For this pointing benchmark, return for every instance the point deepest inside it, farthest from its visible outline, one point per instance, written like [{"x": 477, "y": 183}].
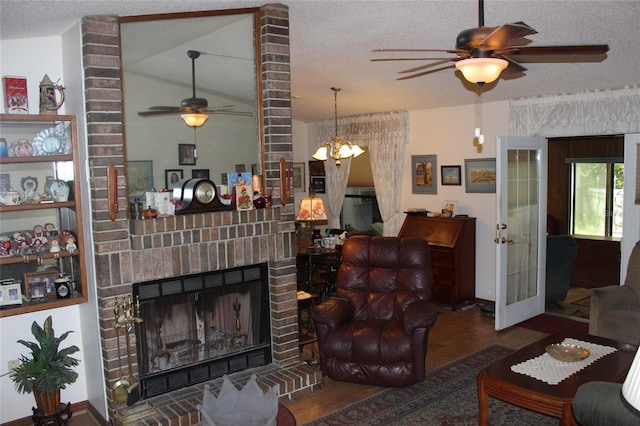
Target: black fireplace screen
[{"x": 200, "y": 327}]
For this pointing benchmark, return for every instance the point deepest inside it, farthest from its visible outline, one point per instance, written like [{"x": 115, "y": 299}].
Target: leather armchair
[
  {"x": 376, "y": 330},
  {"x": 614, "y": 311}
]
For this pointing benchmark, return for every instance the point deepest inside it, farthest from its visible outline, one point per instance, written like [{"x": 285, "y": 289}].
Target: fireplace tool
[{"x": 126, "y": 388}]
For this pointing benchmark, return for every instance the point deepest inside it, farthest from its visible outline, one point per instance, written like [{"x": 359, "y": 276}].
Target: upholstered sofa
[
  {"x": 614, "y": 311},
  {"x": 376, "y": 329}
]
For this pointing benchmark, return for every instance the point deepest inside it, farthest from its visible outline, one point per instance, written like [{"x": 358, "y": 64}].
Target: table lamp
[
  {"x": 631, "y": 385},
  {"x": 311, "y": 210}
]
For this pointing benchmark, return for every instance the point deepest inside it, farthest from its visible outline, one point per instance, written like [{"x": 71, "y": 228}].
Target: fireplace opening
[{"x": 199, "y": 327}]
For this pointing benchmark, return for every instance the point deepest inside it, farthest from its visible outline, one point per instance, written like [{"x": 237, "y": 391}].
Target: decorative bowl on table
[{"x": 567, "y": 352}]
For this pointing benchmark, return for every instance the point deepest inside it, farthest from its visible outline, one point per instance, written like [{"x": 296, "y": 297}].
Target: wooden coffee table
[{"x": 498, "y": 381}]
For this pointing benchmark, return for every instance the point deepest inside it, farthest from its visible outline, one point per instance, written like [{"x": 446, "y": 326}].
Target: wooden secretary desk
[{"x": 453, "y": 255}]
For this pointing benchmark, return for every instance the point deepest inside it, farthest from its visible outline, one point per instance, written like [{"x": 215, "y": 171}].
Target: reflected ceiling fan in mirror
[
  {"x": 482, "y": 53},
  {"x": 193, "y": 111}
]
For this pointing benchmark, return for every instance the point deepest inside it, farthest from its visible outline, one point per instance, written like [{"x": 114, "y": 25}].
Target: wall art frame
[
  {"x": 451, "y": 175},
  {"x": 186, "y": 154},
  {"x": 172, "y": 177},
  {"x": 298, "y": 178},
  {"x": 318, "y": 185},
  {"x": 140, "y": 176},
  {"x": 424, "y": 174},
  {"x": 200, "y": 173},
  {"x": 316, "y": 168},
  {"x": 480, "y": 175}
]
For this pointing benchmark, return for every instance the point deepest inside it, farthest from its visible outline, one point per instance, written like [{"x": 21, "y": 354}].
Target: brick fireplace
[{"x": 129, "y": 251}]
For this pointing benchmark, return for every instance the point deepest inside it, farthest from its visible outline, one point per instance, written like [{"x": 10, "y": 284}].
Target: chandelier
[{"x": 336, "y": 148}]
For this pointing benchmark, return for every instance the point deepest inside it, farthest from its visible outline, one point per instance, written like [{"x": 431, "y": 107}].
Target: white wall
[
  {"x": 32, "y": 58},
  {"x": 448, "y": 133}
]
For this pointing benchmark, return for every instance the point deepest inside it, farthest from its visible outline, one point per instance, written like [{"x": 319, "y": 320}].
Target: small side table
[{"x": 60, "y": 417}]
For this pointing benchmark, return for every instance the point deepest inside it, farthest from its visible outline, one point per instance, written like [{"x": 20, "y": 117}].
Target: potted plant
[{"x": 47, "y": 370}]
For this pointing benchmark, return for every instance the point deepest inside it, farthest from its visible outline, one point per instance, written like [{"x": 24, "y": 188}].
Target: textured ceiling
[{"x": 331, "y": 43}]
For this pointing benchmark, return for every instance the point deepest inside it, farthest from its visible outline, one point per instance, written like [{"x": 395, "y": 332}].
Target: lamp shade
[
  {"x": 311, "y": 209},
  {"x": 321, "y": 153},
  {"x": 481, "y": 70},
  {"x": 194, "y": 120},
  {"x": 631, "y": 385}
]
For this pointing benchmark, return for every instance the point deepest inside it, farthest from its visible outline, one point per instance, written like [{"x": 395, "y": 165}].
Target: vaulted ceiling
[{"x": 331, "y": 44}]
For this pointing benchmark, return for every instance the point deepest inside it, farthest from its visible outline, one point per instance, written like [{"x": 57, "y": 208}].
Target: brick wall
[{"x": 131, "y": 251}]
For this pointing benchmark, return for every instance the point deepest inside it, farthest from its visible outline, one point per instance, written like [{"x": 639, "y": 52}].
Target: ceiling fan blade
[
  {"x": 406, "y": 59},
  {"x": 513, "y": 67},
  {"x": 579, "y": 50},
  {"x": 164, "y": 107},
  {"x": 500, "y": 35},
  {"x": 153, "y": 113},
  {"x": 422, "y": 67},
  {"x": 424, "y": 73},
  {"x": 227, "y": 112},
  {"x": 413, "y": 50}
]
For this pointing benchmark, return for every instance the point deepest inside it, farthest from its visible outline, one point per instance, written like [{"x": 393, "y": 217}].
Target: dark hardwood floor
[{"x": 454, "y": 335}]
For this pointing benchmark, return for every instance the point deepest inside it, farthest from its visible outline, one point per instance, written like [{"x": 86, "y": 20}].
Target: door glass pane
[{"x": 522, "y": 224}]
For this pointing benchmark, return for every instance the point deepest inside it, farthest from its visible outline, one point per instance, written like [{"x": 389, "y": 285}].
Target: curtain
[
  {"x": 596, "y": 112},
  {"x": 385, "y": 135}
]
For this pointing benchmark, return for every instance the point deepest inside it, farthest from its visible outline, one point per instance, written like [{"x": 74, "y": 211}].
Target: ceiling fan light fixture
[
  {"x": 194, "y": 120},
  {"x": 481, "y": 70}
]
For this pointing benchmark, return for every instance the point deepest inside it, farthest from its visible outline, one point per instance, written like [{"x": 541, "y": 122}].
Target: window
[
  {"x": 596, "y": 196},
  {"x": 360, "y": 211}
]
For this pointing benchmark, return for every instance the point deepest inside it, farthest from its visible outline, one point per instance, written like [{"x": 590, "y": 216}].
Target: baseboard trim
[{"x": 76, "y": 408}]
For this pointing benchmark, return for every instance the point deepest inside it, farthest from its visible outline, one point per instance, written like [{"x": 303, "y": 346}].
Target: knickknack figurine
[{"x": 48, "y": 99}]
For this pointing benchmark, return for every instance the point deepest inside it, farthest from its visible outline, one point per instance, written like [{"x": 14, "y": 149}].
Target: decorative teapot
[
  {"x": 12, "y": 198},
  {"x": 48, "y": 102}
]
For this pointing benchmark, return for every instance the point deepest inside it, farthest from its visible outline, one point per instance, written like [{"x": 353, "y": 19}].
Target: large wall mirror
[{"x": 157, "y": 71}]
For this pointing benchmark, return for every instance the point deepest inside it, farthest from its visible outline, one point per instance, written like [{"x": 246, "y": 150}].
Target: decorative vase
[{"x": 48, "y": 403}]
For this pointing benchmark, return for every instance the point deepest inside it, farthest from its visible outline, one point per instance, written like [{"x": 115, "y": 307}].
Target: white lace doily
[{"x": 552, "y": 371}]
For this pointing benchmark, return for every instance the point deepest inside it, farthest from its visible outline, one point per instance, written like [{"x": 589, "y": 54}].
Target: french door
[{"x": 521, "y": 193}]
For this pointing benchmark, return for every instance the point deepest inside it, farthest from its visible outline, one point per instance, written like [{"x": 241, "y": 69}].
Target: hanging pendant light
[{"x": 337, "y": 148}]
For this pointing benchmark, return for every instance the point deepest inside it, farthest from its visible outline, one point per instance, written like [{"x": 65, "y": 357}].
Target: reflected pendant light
[{"x": 337, "y": 148}]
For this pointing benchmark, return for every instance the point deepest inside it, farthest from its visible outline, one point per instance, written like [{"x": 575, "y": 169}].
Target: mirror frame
[{"x": 255, "y": 11}]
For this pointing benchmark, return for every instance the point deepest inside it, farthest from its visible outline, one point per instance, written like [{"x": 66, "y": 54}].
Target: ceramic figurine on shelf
[
  {"x": 39, "y": 249},
  {"x": 71, "y": 244},
  {"x": 50, "y": 230},
  {"x": 39, "y": 232},
  {"x": 54, "y": 246}
]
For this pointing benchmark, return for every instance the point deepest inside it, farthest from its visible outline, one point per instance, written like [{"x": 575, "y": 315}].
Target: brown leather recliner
[{"x": 376, "y": 329}]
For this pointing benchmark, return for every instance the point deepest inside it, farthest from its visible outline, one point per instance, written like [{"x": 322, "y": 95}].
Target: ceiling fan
[
  {"x": 193, "y": 110},
  {"x": 491, "y": 47}
]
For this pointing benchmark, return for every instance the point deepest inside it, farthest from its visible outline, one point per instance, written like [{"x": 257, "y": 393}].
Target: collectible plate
[
  {"x": 52, "y": 141},
  {"x": 567, "y": 353}
]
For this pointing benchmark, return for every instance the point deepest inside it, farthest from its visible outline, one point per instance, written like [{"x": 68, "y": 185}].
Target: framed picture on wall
[
  {"x": 424, "y": 178},
  {"x": 316, "y": 168},
  {"x": 451, "y": 175},
  {"x": 140, "y": 175},
  {"x": 318, "y": 185},
  {"x": 171, "y": 178},
  {"x": 186, "y": 154},
  {"x": 298, "y": 177},
  {"x": 200, "y": 173},
  {"x": 480, "y": 175}
]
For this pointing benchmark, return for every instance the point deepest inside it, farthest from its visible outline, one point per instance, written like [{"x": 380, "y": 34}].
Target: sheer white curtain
[
  {"x": 597, "y": 112},
  {"x": 385, "y": 135}
]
